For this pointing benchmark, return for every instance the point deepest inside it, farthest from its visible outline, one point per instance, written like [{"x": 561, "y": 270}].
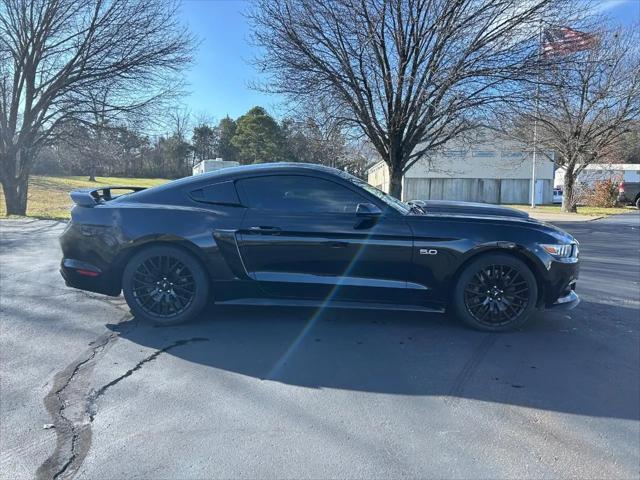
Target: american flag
[{"x": 566, "y": 40}]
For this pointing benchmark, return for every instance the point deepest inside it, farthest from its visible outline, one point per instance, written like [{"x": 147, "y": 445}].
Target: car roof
[
  {"x": 231, "y": 173},
  {"x": 258, "y": 168},
  {"x": 278, "y": 167}
]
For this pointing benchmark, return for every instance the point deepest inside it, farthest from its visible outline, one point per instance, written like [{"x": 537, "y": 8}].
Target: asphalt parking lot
[{"x": 298, "y": 393}]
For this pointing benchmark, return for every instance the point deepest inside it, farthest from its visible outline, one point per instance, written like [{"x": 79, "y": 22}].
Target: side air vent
[{"x": 223, "y": 193}]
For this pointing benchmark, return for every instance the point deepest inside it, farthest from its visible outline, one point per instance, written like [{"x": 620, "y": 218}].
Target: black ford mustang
[{"x": 295, "y": 234}]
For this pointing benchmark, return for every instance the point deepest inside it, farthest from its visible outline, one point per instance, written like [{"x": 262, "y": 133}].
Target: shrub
[{"x": 603, "y": 194}]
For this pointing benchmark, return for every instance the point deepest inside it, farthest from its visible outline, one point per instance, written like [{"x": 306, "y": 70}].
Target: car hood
[
  {"x": 442, "y": 207},
  {"x": 482, "y": 212}
]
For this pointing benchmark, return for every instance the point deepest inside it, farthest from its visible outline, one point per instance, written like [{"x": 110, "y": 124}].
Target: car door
[{"x": 301, "y": 237}]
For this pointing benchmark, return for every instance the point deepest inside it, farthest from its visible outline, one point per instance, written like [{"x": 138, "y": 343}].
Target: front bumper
[
  {"x": 560, "y": 283},
  {"x": 566, "y": 302}
]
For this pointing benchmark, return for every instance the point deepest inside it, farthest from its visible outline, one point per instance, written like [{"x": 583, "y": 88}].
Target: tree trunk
[
  {"x": 395, "y": 182},
  {"x": 395, "y": 161},
  {"x": 96, "y": 151},
  {"x": 93, "y": 166},
  {"x": 568, "y": 192},
  {"x": 15, "y": 194},
  {"x": 14, "y": 175}
]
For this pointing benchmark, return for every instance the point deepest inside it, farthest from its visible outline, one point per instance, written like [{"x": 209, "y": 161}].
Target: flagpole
[
  {"x": 535, "y": 122},
  {"x": 533, "y": 163}
]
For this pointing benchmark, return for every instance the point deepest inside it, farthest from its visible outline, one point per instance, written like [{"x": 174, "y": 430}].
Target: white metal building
[
  {"x": 628, "y": 172},
  {"x": 212, "y": 164},
  {"x": 487, "y": 167}
]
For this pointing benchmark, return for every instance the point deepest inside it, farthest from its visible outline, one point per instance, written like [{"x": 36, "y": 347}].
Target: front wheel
[
  {"x": 496, "y": 292},
  {"x": 165, "y": 285}
]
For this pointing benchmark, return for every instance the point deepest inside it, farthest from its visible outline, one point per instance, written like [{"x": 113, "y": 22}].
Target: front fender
[
  {"x": 533, "y": 261},
  {"x": 513, "y": 248}
]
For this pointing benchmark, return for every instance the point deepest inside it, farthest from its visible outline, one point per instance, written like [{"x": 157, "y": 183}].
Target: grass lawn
[
  {"x": 588, "y": 211},
  {"x": 49, "y": 196}
]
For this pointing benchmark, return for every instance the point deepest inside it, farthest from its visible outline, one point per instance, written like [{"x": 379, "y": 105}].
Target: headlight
[{"x": 561, "y": 251}]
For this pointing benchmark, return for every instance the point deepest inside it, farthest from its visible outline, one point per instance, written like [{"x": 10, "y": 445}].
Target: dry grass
[
  {"x": 49, "y": 196},
  {"x": 586, "y": 211}
]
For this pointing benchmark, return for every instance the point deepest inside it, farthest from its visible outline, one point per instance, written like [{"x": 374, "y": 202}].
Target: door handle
[{"x": 264, "y": 229}]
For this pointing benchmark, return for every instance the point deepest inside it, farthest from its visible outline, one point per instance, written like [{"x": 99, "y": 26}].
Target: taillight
[
  {"x": 621, "y": 187},
  {"x": 87, "y": 273}
]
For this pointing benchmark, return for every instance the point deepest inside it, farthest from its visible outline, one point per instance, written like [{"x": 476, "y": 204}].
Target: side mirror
[{"x": 367, "y": 210}]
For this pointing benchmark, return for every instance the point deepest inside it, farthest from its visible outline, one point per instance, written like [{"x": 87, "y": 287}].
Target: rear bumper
[
  {"x": 88, "y": 257},
  {"x": 85, "y": 276},
  {"x": 622, "y": 199}
]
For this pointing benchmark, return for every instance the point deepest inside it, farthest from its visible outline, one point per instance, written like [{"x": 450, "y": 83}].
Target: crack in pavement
[
  {"x": 73, "y": 435},
  {"x": 93, "y": 397},
  {"x": 73, "y": 409}
]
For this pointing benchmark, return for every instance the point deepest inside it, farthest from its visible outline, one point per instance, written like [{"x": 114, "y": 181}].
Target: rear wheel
[
  {"x": 496, "y": 292},
  {"x": 165, "y": 285}
]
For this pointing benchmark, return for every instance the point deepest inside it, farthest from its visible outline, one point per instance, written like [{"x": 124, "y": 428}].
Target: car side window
[{"x": 298, "y": 193}]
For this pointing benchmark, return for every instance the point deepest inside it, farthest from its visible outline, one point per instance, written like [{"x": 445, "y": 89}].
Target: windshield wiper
[{"x": 416, "y": 209}]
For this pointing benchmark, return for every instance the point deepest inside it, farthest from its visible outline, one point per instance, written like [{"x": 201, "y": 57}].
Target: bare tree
[
  {"x": 325, "y": 142},
  {"x": 587, "y": 105},
  {"x": 409, "y": 74},
  {"x": 98, "y": 124},
  {"x": 179, "y": 120},
  {"x": 55, "y": 53},
  {"x": 628, "y": 151}
]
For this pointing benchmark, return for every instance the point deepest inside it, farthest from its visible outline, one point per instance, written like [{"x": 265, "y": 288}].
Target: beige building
[{"x": 486, "y": 168}]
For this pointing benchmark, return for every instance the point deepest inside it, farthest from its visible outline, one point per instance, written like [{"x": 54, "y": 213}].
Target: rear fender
[{"x": 209, "y": 257}]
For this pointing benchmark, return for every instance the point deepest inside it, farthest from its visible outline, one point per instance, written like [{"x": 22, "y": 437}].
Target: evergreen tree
[{"x": 258, "y": 138}]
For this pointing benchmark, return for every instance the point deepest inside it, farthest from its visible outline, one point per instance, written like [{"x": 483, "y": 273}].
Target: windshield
[{"x": 393, "y": 202}]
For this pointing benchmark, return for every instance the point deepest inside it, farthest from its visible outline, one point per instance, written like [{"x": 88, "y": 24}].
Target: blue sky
[
  {"x": 623, "y": 10},
  {"x": 220, "y": 77}
]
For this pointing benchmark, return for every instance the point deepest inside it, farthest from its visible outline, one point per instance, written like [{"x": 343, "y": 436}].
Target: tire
[
  {"x": 509, "y": 299},
  {"x": 165, "y": 285},
  {"x": 638, "y": 203}
]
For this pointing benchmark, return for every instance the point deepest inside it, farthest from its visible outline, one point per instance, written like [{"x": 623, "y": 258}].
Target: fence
[{"x": 487, "y": 190}]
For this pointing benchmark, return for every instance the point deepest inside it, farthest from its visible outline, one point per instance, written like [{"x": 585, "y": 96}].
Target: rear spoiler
[{"x": 90, "y": 197}]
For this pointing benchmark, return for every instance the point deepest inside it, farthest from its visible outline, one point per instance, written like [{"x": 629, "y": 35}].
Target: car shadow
[{"x": 583, "y": 362}]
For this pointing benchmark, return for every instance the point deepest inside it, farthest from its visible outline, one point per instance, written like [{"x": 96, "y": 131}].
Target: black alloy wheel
[
  {"x": 496, "y": 292},
  {"x": 165, "y": 285}
]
